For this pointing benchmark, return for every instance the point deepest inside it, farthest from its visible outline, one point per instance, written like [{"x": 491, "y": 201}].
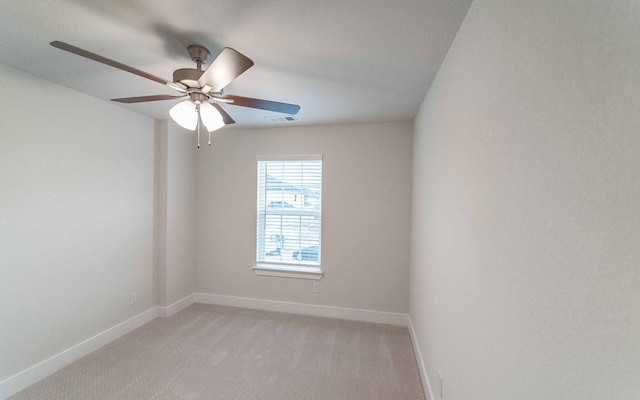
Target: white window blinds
[{"x": 289, "y": 211}]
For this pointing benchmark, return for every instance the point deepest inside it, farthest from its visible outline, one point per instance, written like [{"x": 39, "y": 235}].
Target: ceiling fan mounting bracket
[{"x": 198, "y": 54}]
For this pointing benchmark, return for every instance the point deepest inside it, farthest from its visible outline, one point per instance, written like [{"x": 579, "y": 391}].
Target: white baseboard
[
  {"x": 173, "y": 309},
  {"x": 379, "y": 317},
  {"x": 29, "y": 376},
  {"x": 426, "y": 384}
]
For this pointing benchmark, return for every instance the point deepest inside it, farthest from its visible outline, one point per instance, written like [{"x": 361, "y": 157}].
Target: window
[{"x": 289, "y": 216}]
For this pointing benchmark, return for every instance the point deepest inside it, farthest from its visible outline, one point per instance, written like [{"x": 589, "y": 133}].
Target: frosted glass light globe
[
  {"x": 185, "y": 115},
  {"x": 211, "y": 118}
]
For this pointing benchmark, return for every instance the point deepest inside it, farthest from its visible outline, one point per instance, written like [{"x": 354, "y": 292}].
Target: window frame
[{"x": 284, "y": 269}]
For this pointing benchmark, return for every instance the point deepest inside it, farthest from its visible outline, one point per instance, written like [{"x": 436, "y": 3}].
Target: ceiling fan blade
[
  {"x": 141, "y": 99},
  {"x": 225, "y": 117},
  {"x": 115, "y": 64},
  {"x": 284, "y": 108},
  {"x": 229, "y": 65}
]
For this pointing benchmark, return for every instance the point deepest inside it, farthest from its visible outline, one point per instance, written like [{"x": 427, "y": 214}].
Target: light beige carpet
[{"x": 215, "y": 352}]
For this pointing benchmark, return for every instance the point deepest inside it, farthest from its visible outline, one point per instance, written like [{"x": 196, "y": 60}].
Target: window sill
[{"x": 287, "y": 271}]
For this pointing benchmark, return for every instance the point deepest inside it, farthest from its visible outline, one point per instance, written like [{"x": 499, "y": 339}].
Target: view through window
[{"x": 289, "y": 212}]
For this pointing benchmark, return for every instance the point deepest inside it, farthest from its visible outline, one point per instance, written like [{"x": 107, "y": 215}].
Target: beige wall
[
  {"x": 76, "y": 218},
  {"x": 366, "y": 206},
  {"x": 526, "y": 226},
  {"x": 175, "y": 212}
]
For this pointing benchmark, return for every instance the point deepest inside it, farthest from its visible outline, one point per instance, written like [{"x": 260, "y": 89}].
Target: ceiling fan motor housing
[{"x": 188, "y": 76}]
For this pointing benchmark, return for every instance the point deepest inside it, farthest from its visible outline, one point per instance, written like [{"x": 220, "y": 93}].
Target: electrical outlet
[
  {"x": 133, "y": 299},
  {"x": 316, "y": 287},
  {"x": 441, "y": 384}
]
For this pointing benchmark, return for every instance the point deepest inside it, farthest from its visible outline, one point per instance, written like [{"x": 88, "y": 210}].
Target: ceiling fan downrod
[{"x": 198, "y": 54}]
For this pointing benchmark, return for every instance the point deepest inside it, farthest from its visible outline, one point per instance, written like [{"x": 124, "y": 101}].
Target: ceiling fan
[{"x": 202, "y": 89}]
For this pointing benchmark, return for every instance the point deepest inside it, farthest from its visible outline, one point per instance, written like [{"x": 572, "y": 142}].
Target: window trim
[
  {"x": 288, "y": 271},
  {"x": 284, "y": 270}
]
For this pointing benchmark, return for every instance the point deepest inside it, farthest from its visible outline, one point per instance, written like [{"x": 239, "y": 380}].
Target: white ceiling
[{"x": 342, "y": 61}]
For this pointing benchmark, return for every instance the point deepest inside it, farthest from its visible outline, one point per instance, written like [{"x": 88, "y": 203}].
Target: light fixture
[
  {"x": 211, "y": 117},
  {"x": 189, "y": 113},
  {"x": 185, "y": 114}
]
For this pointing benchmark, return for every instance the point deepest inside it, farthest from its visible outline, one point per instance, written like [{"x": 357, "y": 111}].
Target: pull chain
[
  {"x": 198, "y": 124},
  {"x": 198, "y": 134},
  {"x": 209, "y": 138}
]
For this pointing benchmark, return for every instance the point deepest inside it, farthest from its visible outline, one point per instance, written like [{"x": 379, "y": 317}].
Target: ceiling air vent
[{"x": 277, "y": 120}]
